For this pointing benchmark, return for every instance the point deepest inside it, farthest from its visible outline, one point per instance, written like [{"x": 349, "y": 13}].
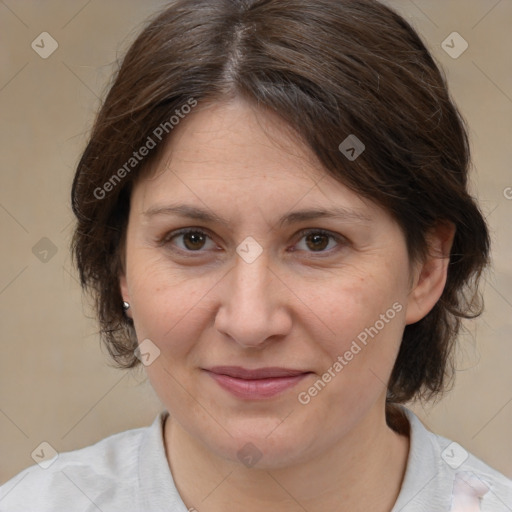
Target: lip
[{"x": 257, "y": 384}]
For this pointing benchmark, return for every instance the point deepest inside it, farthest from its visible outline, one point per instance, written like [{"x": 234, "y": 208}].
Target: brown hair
[{"x": 329, "y": 68}]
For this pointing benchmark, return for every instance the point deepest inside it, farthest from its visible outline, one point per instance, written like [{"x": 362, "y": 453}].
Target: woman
[{"x": 273, "y": 218}]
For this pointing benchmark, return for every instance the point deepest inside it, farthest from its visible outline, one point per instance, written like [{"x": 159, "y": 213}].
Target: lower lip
[{"x": 256, "y": 389}]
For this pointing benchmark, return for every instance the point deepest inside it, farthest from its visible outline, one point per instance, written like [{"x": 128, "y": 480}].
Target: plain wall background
[{"x": 55, "y": 382}]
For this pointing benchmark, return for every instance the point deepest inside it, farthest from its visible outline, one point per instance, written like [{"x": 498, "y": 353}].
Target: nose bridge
[
  {"x": 249, "y": 312},
  {"x": 250, "y": 286}
]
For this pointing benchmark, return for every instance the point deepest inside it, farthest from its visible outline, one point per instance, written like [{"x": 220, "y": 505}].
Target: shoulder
[
  {"x": 443, "y": 475},
  {"x": 90, "y": 475}
]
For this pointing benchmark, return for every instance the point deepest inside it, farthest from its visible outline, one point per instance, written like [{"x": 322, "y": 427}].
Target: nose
[{"x": 253, "y": 309}]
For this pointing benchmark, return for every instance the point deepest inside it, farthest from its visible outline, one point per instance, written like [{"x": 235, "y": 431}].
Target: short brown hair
[{"x": 330, "y": 69}]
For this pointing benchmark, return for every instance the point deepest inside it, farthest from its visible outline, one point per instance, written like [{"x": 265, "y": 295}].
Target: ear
[{"x": 430, "y": 274}]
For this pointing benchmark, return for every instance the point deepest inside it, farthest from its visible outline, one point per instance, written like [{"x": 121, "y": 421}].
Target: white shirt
[{"x": 129, "y": 472}]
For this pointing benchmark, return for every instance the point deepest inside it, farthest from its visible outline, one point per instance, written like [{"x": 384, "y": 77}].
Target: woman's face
[{"x": 317, "y": 302}]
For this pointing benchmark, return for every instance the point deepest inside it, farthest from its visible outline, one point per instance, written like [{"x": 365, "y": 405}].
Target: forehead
[
  {"x": 234, "y": 154},
  {"x": 237, "y": 136}
]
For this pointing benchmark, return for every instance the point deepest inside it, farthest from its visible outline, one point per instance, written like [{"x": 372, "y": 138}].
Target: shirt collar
[
  {"x": 157, "y": 489},
  {"x": 423, "y": 479}
]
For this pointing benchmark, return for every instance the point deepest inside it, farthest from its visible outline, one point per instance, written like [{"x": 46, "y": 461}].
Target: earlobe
[
  {"x": 431, "y": 274},
  {"x": 125, "y": 295}
]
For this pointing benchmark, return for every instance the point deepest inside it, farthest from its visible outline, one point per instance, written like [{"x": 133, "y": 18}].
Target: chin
[{"x": 261, "y": 445}]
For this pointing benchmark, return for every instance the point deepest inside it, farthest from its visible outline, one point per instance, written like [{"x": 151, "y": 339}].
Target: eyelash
[{"x": 166, "y": 241}]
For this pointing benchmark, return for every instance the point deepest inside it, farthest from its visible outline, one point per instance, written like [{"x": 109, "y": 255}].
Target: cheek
[
  {"x": 355, "y": 304},
  {"x": 366, "y": 317},
  {"x": 166, "y": 302}
]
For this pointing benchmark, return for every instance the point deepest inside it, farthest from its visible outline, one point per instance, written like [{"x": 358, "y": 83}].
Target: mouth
[{"x": 257, "y": 384}]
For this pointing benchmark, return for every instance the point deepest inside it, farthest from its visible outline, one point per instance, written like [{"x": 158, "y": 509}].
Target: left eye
[{"x": 318, "y": 240}]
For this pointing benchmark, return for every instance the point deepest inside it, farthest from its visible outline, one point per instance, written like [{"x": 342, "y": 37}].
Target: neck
[{"x": 363, "y": 471}]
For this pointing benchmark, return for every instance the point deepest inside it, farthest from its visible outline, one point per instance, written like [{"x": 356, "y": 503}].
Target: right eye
[{"x": 192, "y": 239}]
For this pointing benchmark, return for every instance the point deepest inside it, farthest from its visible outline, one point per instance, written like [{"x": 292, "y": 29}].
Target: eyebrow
[{"x": 193, "y": 212}]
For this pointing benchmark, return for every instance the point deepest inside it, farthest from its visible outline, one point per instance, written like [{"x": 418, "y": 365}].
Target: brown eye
[
  {"x": 317, "y": 241},
  {"x": 193, "y": 240},
  {"x": 188, "y": 240}
]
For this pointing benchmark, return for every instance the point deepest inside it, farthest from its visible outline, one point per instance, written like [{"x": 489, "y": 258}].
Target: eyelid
[{"x": 326, "y": 232}]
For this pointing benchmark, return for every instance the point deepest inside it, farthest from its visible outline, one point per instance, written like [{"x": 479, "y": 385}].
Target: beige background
[{"x": 55, "y": 384}]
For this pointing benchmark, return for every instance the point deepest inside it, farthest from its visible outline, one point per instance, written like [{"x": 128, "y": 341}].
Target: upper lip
[{"x": 259, "y": 373}]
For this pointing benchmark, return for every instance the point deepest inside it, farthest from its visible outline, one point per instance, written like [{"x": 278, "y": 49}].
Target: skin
[{"x": 298, "y": 305}]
